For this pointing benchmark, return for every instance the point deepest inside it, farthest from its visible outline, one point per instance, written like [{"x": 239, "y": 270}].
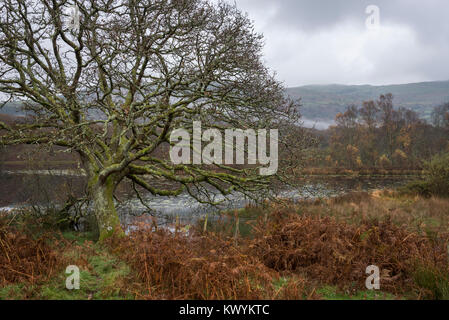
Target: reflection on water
[{"x": 187, "y": 209}]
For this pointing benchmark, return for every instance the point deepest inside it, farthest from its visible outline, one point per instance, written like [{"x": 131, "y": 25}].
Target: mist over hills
[{"x": 320, "y": 103}]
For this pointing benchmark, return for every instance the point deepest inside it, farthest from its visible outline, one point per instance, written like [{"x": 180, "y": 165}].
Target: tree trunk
[{"x": 104, "y": 208}]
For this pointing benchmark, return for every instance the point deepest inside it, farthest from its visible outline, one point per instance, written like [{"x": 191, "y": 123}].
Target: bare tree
[
  {"x": 135, "y": 70},
  {"x": 440, "y": 116}
]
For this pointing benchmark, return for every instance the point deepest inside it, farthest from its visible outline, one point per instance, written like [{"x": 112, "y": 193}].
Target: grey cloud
[
  {"x": 427, "y": 17},
  {"x": 323, "y": 41}
]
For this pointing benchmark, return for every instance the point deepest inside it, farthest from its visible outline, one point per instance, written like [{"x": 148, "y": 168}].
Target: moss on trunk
[{"x": 107, "y": 217}]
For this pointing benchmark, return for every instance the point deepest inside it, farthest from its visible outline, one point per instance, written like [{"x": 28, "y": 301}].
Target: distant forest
[{"x": 378, "y": 134}]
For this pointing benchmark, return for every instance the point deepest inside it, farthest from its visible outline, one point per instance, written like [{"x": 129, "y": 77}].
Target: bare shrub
[
  {"x": 198, "y": 267},
  {"x": 23, "y": 258},
  {"x": 333, "y": 252}
]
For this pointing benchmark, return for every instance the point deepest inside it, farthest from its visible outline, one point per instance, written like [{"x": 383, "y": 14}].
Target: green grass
[
  {"x": 103, "y": 277},
  {"x": 15, "y": 292},
  {"x": 101, "y": 283},
  {"x": 332, "y": 293},
  {"x": 79, "y": 237},
  {"x": 436, "y": 283},
  {"x": 281, "y": 282}
]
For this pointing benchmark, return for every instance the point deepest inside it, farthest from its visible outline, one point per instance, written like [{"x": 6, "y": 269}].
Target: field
[{"x": 308, "y": 250}]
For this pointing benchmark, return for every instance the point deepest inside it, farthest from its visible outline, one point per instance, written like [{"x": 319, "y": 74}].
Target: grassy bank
[
  {"x": 310, "y": 250},
  {"x": 360, "y": 172}
]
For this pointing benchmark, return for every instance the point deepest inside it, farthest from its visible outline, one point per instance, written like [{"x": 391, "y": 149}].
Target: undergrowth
[
  {"x": 24, "y": 258},
  {"x": 309, "y": 250},
  {"x": 199, "y": 267}
]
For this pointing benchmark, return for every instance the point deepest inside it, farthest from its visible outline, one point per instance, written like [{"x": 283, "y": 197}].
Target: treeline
[{"x": 377, "y": 134}]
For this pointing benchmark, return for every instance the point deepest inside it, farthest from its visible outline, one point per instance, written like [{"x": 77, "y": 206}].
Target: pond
[
  {"x": 187, "y": 210},
  {"x": 19, "y": 190}
]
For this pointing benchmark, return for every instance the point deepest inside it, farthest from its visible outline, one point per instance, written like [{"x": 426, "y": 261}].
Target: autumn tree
[
  {"x": 440, "y": 116},
  {"x": 377, "y": 133},
  {"x": 344, "y": 134},
  {"x": 387, "y": 114},
  {"x": 114, "y": 90},
  {"x": 369, "y": 114}
]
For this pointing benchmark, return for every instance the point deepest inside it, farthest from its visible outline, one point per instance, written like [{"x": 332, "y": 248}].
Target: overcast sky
[{"x": 327, "y": 41}]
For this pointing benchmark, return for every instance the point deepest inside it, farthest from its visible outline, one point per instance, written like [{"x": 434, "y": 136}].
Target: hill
[
  {"x": 11, "y": 108},
  {"x": 8, "y": 119},
  {"x": 322, "y": 102}
]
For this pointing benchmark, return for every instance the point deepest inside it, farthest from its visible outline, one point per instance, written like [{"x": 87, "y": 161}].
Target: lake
[{"x": 18, "y": 189}]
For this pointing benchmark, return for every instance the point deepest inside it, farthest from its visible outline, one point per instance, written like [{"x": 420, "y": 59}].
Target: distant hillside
[
  {"x": 322, "y": 102},
  {"x": 8, "y": 119},
  {"x": 11, "y": 108}
]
